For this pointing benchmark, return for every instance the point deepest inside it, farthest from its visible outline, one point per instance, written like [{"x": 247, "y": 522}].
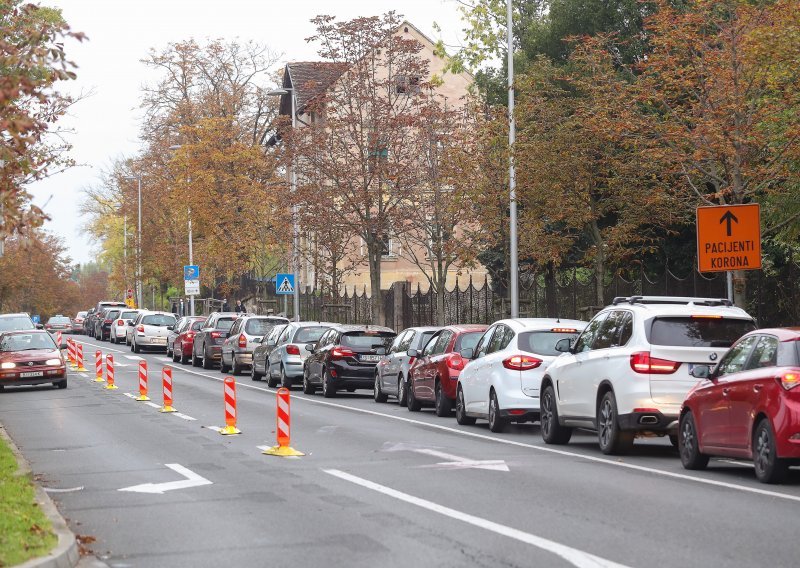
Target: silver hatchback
[
  {"x": 245, "y": 335},
  {"x": 285, "y": 362}
]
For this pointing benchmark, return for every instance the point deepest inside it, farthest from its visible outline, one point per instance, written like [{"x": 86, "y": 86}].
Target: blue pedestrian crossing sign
[
  {"x": 284, "y": 284},
  {"x": 191, "y": 272}
]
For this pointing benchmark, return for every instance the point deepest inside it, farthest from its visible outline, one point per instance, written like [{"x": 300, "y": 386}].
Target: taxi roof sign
[{"x": 729, "y": 238}]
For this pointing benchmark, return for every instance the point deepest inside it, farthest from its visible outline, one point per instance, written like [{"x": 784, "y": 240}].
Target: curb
[{"x": 65, "y": 554}]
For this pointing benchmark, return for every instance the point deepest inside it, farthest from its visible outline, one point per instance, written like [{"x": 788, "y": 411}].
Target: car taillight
[
  {"x": 242, "y": 340},
  {"x": 140, "y": 328},
  {"x": 456, "y": 362},
  {"x": 216, "y": 334},
  {"x": 521, "y": 362},
  {"x": 107, "y": 321},
  {"x": 790, "y": 379},
  {"x": 120, "y": 322},
  {"x": 642, "y": 363},
  {"x": 411, "y": 360},
  {"x": 189, "y": 334},
  {"x": 341, "y": 352},
  {"x": 292, "y": 350}
]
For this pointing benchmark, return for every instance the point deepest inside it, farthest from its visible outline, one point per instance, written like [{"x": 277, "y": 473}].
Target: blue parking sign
[{"x": 191, "y": 272}]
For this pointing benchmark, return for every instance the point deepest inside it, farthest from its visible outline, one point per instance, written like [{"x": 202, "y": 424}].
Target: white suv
[{"x": 629, "y": 371}]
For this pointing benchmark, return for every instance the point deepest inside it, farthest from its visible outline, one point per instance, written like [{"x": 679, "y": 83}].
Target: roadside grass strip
[{"x": 25, "y": 531}]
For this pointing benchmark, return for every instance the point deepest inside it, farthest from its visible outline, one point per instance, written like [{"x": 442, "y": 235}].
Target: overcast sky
[{"x": 120, "y": 34}]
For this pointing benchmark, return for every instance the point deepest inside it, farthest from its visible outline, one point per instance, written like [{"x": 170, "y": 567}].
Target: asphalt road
[{"x": 379, "y": 486}]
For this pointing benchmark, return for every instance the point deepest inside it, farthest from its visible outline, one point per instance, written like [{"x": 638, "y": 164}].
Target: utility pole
[{"x": 512, "y": 180}]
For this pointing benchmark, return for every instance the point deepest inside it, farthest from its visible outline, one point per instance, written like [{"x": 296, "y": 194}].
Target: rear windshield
[
  {"x": 112, "y": 314},
  {"x": 16, "y": 323},
  {"x": 698, "y": 332},
  {"x": 308, "y": 334},
  {"x": 81, "y": 315},
  {"x": 225, "y": 323},
  {"x": 543, "y": 342},
  {"x": 58, "y": 320},
  {"x": 27, "y": 342},
  {"x": 468, "y": 340},
  {"x": 128, "y": 315},
  {"x": 367, "y": 339},
  {"x": 258, "y": 326},
  {"x": 160, "y": 320}
]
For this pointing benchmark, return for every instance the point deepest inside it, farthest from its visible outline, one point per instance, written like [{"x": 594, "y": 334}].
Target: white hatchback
[
  {"x": 630, "y": 370},
  {"x": 150, "y": 330},
  {"x": 119, "y": 327},
  {"x": 501, "y": 382}
]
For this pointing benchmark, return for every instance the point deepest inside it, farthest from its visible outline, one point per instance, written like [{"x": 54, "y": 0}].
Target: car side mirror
[
  {"x": 468, "y": 353},
  {"x": 412, "y": 353},
  {"x": 39, "y": 326},
  {"x": 310, "y": 347},
  {"x": 130, "y": 322},
  {"x": 170, "y": 327},
  {"x": 381, "y": 351},
  {"x": 701, "y": 372},
  {"x": 564, "y": 345}
]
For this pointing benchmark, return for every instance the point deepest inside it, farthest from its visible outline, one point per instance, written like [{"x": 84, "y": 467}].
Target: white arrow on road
[
  {"x": 192, "y": 480},
  {"x": 455, "y": 462}
]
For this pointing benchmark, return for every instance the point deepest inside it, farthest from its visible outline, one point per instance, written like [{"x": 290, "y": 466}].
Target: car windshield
[
  {"x": 198, "y": 325},
  {"x": 225, "y": 323},
  {"x": 308, "y": 334},
  {"x": 128, "y": 315},
  {"x": 367, "y": 339},
  {"x": 27, "y": 342},
  {"x": 112, "y": 314},
  {"x": 15, "y": 323},
  {"x": 698, "y": 331},
  {"x": 81, "y": 315},
  {"x": 468, "y": 340},
  {"x": 543, "y": 342},
  {"x": 160, "y": 320},
  {"x": 259, "y": 326},
  {"x": 58, "y": 320}
]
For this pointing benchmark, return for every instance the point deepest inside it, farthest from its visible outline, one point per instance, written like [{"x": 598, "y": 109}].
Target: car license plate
[
  {"x": 370, "y": 358},
  {"x": 31, "y": 374},
  {"x": 160, "y": 340}
]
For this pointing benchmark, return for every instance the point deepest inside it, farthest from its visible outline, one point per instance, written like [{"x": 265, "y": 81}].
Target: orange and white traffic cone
[
  {"x": 283, "y": 449},
  {"x": 73, "y": 363},
  {"x": 80, "y": 358},
  {"x": 166, "y": 379},
  {"x": 110, "y": 373},
  {"x": 59, "y": 339},
  {"x": 98, "y": 367},
  {"x": 230, "y": 408},
  {"x": 142, "y": 382}
]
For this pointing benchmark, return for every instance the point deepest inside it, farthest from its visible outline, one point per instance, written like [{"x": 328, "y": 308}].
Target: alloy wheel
[
  {"x": 606, "y": 422},
  {"x": 546, "y": 414},
  {"x": 763, "y": 450}
]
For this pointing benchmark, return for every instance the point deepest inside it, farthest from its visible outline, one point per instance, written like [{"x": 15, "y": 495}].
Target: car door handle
[
  {"x": 725, "y": 392},
  {"x": 757, "y": 388}
]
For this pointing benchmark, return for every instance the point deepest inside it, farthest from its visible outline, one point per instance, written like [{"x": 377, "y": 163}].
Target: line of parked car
[{"x": 697, "y": 370}]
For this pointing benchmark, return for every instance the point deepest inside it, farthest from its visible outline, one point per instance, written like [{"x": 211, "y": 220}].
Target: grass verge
[{"x": 25, "y": 531}]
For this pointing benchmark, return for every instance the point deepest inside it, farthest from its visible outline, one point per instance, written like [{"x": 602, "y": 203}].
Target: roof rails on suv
[{"x": 674, "y": 300}]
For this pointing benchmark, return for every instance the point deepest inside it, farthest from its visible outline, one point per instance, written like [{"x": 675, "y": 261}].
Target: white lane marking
[
  {"x": 134, "y": 357},
  {"x": 167, "y": 359},
  {"x": 104, "y": 347},
  {"x": 152, "y": 405},
  {"x": 84, "y": 375},
  {"x": 182, "y": 415},
  {"x": 69, "y": 490},
  {"x": 735, "y": 462},
  {"x": 214, "y": 428},
  {"x": 574, "y": 556},
  {"x": 457, "y": 462},
  {"x": 192, "y": 480},
  {"x": 681, "y": 476}
]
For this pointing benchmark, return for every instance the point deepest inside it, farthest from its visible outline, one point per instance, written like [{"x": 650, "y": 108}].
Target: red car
[
  {"x": 30, "y": 358},
  {"x": 434, "y": 376},
  {"x": 748, "y": 407},
  {"x": 184, "y": 343}
]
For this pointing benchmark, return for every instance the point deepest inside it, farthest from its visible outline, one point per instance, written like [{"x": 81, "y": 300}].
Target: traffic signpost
[
  {"x": 191, "y": 279},
  {"x": 284, "y": 284},
  {"x": 728, "y": 239}
]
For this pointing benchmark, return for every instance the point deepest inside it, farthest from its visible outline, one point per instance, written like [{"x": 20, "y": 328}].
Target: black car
[
  {"x": 105, "y": 321},
  {"x": 207, "y": 348},
  {"x": 344, "y": 358}
]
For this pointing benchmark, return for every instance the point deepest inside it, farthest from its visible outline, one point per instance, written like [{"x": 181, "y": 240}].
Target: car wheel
[
  {"x": 688, "y": 444},
  {"x": 195, "y": 359},
  {"x": 135, "y": 347},
  {"x": 496, "y": 422},
  {"x": 327, "y": 388},
  {"x": 285, "y": 381},
  {"x": 112, "y": 339},
  {"x": 169, "y": 351},
  {"x": 308, "y": 388},
  {"x": 223, "y": 368},
  {"x": 552, "y": 431},
  {"x": 412, "y": 403},
  {"x": 377, "y": 394},
  {"x": 769, "y": 467},
  {"x": 443, "y": 404},
  {"x": 612, "y": 440},
  {"x": 208, "y": 362},
  {"x": 236, "y": 368},
  {"x": 461, "y": 410},
  {"x": 271, "y": 381},
  {"x": 61, "y": 384},
  {"x": 402, "y": 392},
  {"x": 255, "y": 375}
]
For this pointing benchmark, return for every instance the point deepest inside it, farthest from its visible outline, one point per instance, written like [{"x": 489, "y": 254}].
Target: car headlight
[
  {"x": 8, "y": 365},
  {"x": 53, "y": 362}
]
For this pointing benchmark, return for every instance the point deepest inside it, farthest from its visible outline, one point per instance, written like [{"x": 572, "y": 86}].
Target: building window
[
  {"x": 407, "y": 85},
  {"x": 390, "y": 248}
]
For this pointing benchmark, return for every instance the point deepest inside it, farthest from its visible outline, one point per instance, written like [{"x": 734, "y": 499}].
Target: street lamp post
[
  {"x": 138, "y": 178},
  {"x": 512, "y": 180},
  {"x": 293, "y": 188},
  {"x": 191, "y": 257}
]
